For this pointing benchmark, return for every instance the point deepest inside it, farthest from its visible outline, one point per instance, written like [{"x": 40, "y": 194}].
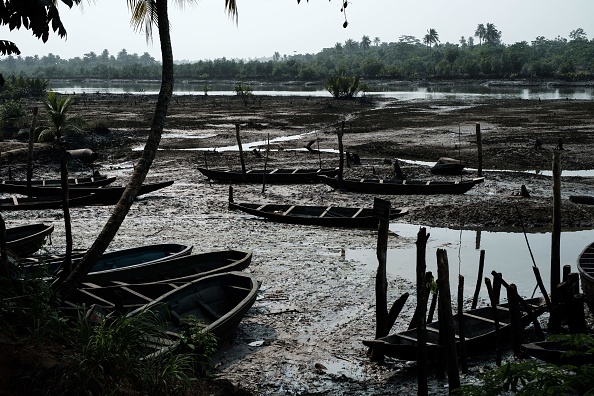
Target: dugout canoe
[
  {"x": 26, "y": 240},
  {"x": 402, "y": 187},
  {"x": 270, "y": 176},
  {"x": 479, "y": 333},
  {"x": 585, "y": 266},
  {"x": 326, "y": 216},
  {"x": 44, "y": 203},
  {"x": 558, "y": 352},
  {"x": 7, "y": 185}
]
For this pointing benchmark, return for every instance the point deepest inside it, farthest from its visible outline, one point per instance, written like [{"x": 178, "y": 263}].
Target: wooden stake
[
  {"x": 265, "y": 164},
  {"x": 554, "y": 320},
  {"x": 30, "y": 150},
  {"x": 515, "y": 318},
  {"x": 422, "y": 296},
  {"x": 340, "y": 134},
  {"x": 477, "y": 289},
  {"x": 461, "y": 332},
  {"x": 496, "y": 320},
  {"x": 238, "y": 137},
  {"x": 479, "y": 146},
  {"x": 447, "y": 335}
]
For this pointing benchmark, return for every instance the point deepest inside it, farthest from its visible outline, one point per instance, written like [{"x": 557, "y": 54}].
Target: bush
[
  {"x": 245, "y": 92},
  {"x": 342, "y": 87},
  {"x": 11, "y": 115}
]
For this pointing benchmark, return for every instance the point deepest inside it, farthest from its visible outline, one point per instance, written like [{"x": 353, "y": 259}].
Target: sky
[{"x": 204, "y": 31}]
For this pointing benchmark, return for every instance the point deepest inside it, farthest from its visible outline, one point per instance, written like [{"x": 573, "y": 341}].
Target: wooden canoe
[
  {"x": 557, "y": 352},
  {"x": 105, "y": 195},
  {"x": 44, "y": 203},
  {"x": 448, "y": 166},
  {"x": 585, "y": 266},
  {"x": 582, "y": 199},
  {"x": 479, "y": 333},
  {"x": 401, "y": 187},
  {"x": 26, "y": 240},
  {"x": 327, "y": 216},
  {"x": 80, "y": 181},
  {"x": 218, "y": 301},
  {"x": 270, "y": 176},
  {"x": 123, "y": 294},
  {"x": 137, "y": 258}
]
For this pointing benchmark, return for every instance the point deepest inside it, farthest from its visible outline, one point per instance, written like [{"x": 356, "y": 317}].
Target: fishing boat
[
  {"x": 269, "y": 176},
  {"x": 585, "y": 266},
  {"x": 125, "y": 293},
  {"x": 105, "y": 195},
  {"x": 219, "y": 302},
  {"x": 582, "y": 199},
  {"x": 479, "y": 333},
  {"x": 138, "y": 258},
  {"x": 26, "y": 240},
  {"x": 401, "y": 187},
  {"x": 98, "y": 180},
  {"x": 328, "y": 216},
  {"x": 448, "y": 166},
  {"x": 44, "y": 203},
  {"x": 558, "y": 352}
]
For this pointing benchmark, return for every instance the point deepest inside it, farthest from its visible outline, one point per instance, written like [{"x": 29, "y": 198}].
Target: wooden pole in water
[
  {"x": 479, "y": 279},
  {"x": 447, "y": 335},
  {"x": 422, "y": 375},
  {"x": 340, "y": 134},
  {"x": 240, "y": 150},
  {"x": 479, "y": 146},
  {"x": 381, "y": 210},
  {"x": 496, "y": 320},
  {"x": 265, "y": 164},
  {"x": 515, "y": 318},
  {"x": 461, "y": 332},
  {"x": 556, "y": 237}
]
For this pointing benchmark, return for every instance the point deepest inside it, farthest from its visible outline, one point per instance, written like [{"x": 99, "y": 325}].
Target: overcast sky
[{"x": 204, "y": 31}]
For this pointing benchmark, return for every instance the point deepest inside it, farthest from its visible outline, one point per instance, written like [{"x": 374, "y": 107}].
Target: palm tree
[
  {"x": 365, "y": 43},
  {"x": 145, "y": 13},
  {"x": 480, "y": 32},
  {"x": 377, "y": 41},
  {"x": 432, "y": 37},
  {"x": 492, "y": 35}
]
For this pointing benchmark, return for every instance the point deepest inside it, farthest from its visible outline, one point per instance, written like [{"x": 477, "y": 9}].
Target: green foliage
[
  {"x": 61, "y": 122},
  {"x": 197, "y": 342},
  {"x": 244, "y": 92},
  {"x": 11, "y": 114},
  {"x": 343, "y": 87},
  {"x": 23, "y": 87}
]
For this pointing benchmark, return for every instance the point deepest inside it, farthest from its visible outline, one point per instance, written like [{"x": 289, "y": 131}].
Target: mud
[{"x": 303, "y": 334}]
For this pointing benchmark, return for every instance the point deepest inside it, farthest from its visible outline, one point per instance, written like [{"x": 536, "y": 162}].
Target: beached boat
[
  {"x": 401, "y": 187},
  {"x": 582, "y": 199},
  {"x": 26, "y": 240},
  {"x": 448, "y": 166},
  {"x": 270, "y": 176},
  {"x": 585, "y": 266},
  {"x": 44, "y": 203},
  {"x": 328, "y": 216},
  {"x": 479, "y": 333},
  {"x": 558, "y": 352},
  {"x": 137, "y": 258},
  {"x": 218, "y": 302},
  {"x": 98, "y": 180},
  {"x": 124, "y": 293},
  {"x": 105, "y": 195}
]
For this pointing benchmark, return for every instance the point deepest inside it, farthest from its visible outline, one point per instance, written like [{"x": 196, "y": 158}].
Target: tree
[
  {"x": 432, "y": 37},
  {"x": 365, "y": 43},
  {"x": 578, "y": 35},
  {"x": 377, "y": 41},
  {"x": 33, "y": 15},
  {"x": 480, "y": 32},
  {"x": 492, "y": 35},
  {"x": 144, "y": 13}
]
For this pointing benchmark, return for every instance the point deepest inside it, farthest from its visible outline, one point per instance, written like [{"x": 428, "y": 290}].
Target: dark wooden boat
[
  {"x": 585, "y": 266},
  {"x": 26, "y": 240},
  {"x": 328, "y": 216},
  {"x": 105, "y": 195},
  {"x": 44, "y": 203},
  {"x": 582, "y": 199},
  {"x": 113, "y": 294},
  {"x": 479, "y": 333},
  {"x": 138, "y": 258},
  {"x": 557, "y": 352},
  {"x": 81, "y": 181},
  {"x": 218, "y": 301},
  {"x": 401, "y": 187},
  {"x": 448, "y": 166},
  {"x": 270, "y": 176}
]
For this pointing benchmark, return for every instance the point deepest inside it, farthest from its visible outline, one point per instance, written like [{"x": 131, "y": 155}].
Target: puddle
[{"x": 505, "y": 252}]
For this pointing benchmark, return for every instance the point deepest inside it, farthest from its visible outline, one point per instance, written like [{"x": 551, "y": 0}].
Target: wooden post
[
  {"x": 395, "y": 310},
  {"x": 497, "y": 286},
  {"x": 566, "y": 272},
  {"x": 432, "y": 306},
  {"x": 496, "y": 320},
  {"x": 30, "y": 150},
  {"x": 447, "y": 335},
  {"x": 461, "y": 332},
  {"x": 427, "y": 290},
  {"x": 576, "y": 321},
  {"x": 477, "y": 240},
  {"x": 422, "y": 289},
  {"x": 515, "y": 319},
  {"x": 381, "y": 210},
  {"x": 3, "y": 255},
  {"x": 479, "y": 146},
  {"x": 397, "y": 171},
  {"x": 340, "y": 134},
  {"x": 265, "y": 164},
  {"x": 556, "y": 237},
  {"x": 479, "y": 279},
  {"x": 240, "y": 150}
]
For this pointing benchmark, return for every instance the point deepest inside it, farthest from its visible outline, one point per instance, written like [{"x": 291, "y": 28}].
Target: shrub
[
  {"x": 245, "y": 92},
  {"x": 343, "y": 87}
]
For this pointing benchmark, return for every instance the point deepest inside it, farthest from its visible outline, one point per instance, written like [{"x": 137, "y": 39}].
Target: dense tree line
[{"x": 409, "y": 58}]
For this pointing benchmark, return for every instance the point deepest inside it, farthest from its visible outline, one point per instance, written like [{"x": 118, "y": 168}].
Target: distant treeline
[{"x": 407, "y": 59}]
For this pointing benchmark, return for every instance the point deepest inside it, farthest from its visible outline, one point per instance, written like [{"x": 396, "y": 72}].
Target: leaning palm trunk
[{"x": 66, "y": 287}]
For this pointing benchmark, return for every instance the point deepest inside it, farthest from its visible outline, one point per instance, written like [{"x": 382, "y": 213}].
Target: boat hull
[
  {"x": 272, "y": 176},
  {"x": 26, "y": 240}
]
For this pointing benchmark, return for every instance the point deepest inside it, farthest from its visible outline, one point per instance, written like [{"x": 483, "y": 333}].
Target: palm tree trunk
[
  {"x": 142, "y": 167},
  {"x": 67, "y": 264}
]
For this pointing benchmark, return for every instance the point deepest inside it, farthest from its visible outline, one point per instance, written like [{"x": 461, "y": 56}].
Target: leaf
[{"x": 345, "y": 24}]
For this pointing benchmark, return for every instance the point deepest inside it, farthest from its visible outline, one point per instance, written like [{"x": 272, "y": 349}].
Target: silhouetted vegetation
[{"x": 407, "y": 59}]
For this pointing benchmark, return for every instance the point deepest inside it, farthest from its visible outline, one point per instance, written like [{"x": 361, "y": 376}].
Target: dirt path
[{"x": 303, "y": 335}]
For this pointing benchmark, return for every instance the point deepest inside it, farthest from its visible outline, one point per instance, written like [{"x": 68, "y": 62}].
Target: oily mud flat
[{"x": 303, "y": 334}]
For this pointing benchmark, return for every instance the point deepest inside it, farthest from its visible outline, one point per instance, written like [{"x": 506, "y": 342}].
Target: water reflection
[{"x": 505, "y": 252}]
